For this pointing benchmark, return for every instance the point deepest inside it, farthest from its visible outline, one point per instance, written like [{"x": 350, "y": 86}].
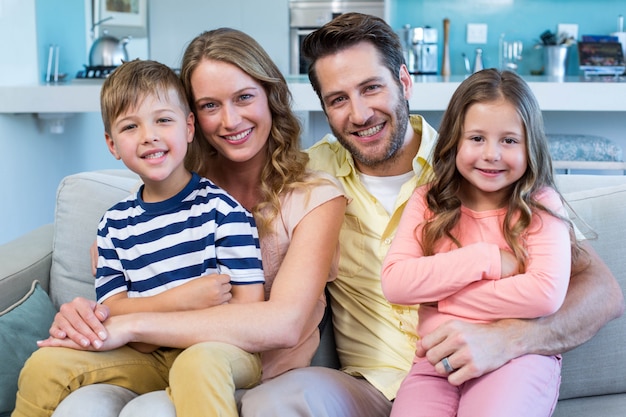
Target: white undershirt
[{"x": 385, "y": 189}]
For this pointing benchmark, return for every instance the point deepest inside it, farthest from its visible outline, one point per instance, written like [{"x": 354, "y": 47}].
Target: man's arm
[{"x": 593, "y": 299}]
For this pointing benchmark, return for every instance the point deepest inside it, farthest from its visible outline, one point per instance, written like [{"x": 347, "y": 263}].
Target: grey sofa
[{"x": 593, "y": 377}]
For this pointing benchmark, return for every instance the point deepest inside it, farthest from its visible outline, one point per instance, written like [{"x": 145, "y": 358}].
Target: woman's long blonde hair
[
  {"x": 442, "y": 198},
  {"x": 285, "y": 166}
]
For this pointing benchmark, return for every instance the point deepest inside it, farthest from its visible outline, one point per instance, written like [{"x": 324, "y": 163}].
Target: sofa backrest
[
  {"x": 82, "y": 199},
  {"x": 598, "y": 366}
]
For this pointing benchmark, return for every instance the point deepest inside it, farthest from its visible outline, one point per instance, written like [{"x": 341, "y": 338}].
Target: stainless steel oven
[{"x": 307, "y": 15}]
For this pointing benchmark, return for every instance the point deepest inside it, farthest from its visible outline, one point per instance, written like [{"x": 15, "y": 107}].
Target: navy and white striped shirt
[{"x": 147, "y": 248}]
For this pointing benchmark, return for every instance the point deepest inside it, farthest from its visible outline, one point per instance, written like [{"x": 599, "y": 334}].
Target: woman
[{"x": 247, "y": 143}]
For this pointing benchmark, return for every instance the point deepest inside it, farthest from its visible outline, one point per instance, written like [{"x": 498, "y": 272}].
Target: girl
[{"x": 487, "y": 239}]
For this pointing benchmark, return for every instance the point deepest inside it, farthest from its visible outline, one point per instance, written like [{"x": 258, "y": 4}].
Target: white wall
[
  {"x": 18, "y": 42},
  {"x": 34, "y": 160}
]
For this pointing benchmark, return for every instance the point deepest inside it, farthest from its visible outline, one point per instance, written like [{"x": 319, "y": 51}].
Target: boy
[
  {"x": 157, "y": 248},
  {"x": 178, "y": 226}
]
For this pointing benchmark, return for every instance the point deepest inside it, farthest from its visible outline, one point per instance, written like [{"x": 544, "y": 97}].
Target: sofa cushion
[
  {"x": 82, "y": 199},
  {"x": 602, "y": 405},
  {"x": 24, "y": 260},
  {"x": 598, "y": 366},
  {"x": 579, "y": 182},
  {"x": 21, "y": 325}
]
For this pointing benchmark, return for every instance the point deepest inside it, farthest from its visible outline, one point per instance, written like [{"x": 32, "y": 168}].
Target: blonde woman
[{"x": 247, "y": 142}]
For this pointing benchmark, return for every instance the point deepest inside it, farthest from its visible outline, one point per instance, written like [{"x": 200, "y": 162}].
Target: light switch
[
  {"x": 567, "y": 30},
  {"x": 477, "y": 33}
]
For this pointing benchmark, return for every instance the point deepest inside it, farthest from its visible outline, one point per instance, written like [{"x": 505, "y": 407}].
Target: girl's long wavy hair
[
  {"x": 285, "y": 166},
  {"x": 442, "y": 198}
]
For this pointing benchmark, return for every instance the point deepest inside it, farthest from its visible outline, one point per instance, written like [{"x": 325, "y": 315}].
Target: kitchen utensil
[
  {"x": 478, "y": 60},
  {"x": 467, "y": 64},
  {"x": 548, "y": 38},
  {"x": 422, "y": 54},
  {"x": 445, "y": 64},
  {"x": 108, "y": 51},
  {"x": 510, "y": 53},
  {"x": 555, "y": 60},
  {"x": 53, "y": 76}
]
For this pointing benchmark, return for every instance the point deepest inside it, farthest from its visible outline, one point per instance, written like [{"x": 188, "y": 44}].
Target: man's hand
[
  {"x": 80, "y": 321},
  {"x": 472, "y": 349}
]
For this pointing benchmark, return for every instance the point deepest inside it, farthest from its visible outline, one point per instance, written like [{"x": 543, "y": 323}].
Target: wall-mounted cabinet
[{"x": 173, "y": 25}]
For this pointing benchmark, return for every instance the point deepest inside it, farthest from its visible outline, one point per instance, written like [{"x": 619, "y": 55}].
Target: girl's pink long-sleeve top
[{"x": 466, "y": 281}]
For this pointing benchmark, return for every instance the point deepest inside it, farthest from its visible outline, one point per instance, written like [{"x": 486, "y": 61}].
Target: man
[{"x": 380, "y": 155}]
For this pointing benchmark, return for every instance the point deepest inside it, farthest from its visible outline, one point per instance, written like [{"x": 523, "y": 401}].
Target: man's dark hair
[{"x": 347, "y": 30}]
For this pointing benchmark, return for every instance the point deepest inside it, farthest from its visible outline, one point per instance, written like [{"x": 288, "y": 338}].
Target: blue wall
[
  {"x": 36, "y": 159},
  {"x": 519, "y": 19},
  {"x": 522, "y": 20},
  {"x": 62, "y": 23}
]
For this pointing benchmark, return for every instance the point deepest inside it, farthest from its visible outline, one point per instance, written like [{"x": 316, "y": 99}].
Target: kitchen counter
[{"x": 431, "y": 93}]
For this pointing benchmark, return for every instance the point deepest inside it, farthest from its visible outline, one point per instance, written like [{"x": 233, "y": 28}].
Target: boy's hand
[
  {"x": 93, "y": 254},
  {"x": 206, "y": 291}
]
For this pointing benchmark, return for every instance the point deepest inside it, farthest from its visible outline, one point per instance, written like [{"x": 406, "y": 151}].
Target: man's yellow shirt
[{"x": 375, "y": 339}]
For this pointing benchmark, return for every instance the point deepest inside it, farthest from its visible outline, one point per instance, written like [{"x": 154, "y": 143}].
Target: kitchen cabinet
[
  {"x": 173, "y": 25},
  {"x": 430, "y": 93},
  {"x": 570, "y": 106}
]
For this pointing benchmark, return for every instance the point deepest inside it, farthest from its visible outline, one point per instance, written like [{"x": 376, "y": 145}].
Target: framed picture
[{"x": 129, "y": 13}]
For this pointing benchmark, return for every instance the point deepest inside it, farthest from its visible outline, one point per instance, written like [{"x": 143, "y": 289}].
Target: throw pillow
[{"x": 21, "y": 325}]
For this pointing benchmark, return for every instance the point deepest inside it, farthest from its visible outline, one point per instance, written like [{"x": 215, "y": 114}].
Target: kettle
[{"x": 108, "y": 51}]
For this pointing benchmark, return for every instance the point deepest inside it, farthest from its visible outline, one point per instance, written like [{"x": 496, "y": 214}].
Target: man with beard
[{"x": 380, "y": 153}]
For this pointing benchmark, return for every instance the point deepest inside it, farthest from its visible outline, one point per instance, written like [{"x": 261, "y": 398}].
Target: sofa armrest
[{"x": 24, "y": 260}]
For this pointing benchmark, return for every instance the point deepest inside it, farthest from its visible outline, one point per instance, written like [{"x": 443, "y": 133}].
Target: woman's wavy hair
[
  {"x": 442, "y": 198},
  {"x": 286, "y": 162}
]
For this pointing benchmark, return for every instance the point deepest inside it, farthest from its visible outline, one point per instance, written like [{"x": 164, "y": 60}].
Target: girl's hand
[{"x": 509, "y": 264}]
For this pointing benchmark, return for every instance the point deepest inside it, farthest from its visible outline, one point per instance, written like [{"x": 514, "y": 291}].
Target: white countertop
[{"x": 431, "y": 93}]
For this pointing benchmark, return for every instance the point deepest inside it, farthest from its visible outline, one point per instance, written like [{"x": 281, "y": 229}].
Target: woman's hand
[
  {"x": 80, "y": 321},
  {"x": 118, "y": 331}
]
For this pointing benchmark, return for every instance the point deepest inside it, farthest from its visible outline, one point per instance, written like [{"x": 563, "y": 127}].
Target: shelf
[{"x": 430, "y": 93}]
